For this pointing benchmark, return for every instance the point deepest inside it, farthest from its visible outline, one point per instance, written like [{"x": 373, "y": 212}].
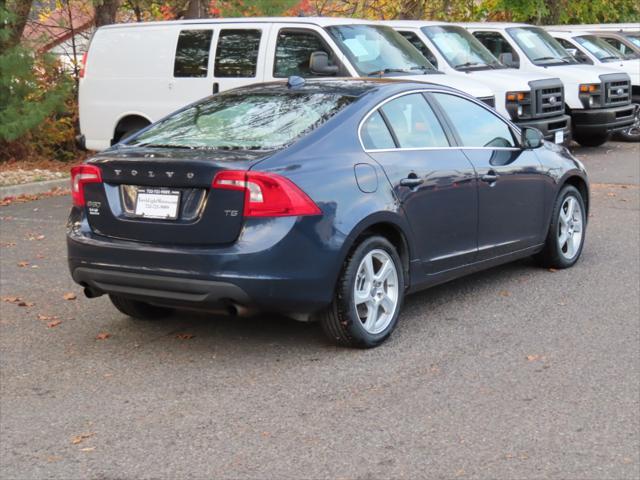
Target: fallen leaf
[
  {"x": 505, "y": 293},
  {"x": 553, "y": 270},
  {"x": 23, "y": 264},
  {"x": 184, "y": 336},
  {"x": 25, "y": 304},
  {"x": 11, "y": 299},
  {"x": 533, "y": 358},
  {"x": 611, "y": 194},
  {"x": 40, "y": 237},
  {"x": 627, "y": 460},
  {"x": 35, "y": 266},
  {"x": 88, "y": 449},
  {"x": 69, "y": 296},
  {"x": 54, "y": 323},
  {"x": 80, "y": 438},
  {"x": 103, "y": 336}
]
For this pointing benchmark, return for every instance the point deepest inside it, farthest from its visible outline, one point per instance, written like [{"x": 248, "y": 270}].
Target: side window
[
  {"x": 293, "y": 50},
  {"x": 419, "y": 44},
  {"x": 476, "y": 126},
  {"x": 496, "y": 44},
  {"x": 414, "y": 123},
  {"x": 578, "y": 54},
  {"x": 617, "y": 44},
  {"x": 192, "y": 53},
  {"x": 237, "y": 53},
  {"x": 375, "y": 133}
]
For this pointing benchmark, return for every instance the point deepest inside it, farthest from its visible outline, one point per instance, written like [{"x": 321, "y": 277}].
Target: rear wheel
[
  {"x": 138, "y": 309},
  {"x": 565, "y": 239},
  {"x": 591, "y": 139},
  {"x": 368, "y": 297}
]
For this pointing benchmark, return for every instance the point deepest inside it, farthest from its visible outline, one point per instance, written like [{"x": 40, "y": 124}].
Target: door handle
[
  {"x": 215, "y": 88},
  {"x": 490, "y": 177},
  {"x": 411, "y": 182}
]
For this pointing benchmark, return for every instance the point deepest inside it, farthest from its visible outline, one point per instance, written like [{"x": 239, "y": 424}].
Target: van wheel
[
  {"x": 138, "y": 309},
  {"x": 368, "y": 297},
  {"x": 591, "y": 140},
  {"x": 565, "y": 239}
]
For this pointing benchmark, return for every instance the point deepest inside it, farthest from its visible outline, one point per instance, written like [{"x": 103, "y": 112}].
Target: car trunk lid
[{"x": 165, "y": 195}]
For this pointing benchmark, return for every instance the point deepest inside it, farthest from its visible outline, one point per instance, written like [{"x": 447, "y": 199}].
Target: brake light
[
  {"x": 267, "y": 194},
  {"x": 83, "y": 65},
  {"x": 80, "y": 176}
]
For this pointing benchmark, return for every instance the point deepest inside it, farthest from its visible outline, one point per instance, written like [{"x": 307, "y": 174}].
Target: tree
[
  {"x": 106, "y": 11},
  {"x": 12, "y": 31},
  {"x": 31, "y": 88}
]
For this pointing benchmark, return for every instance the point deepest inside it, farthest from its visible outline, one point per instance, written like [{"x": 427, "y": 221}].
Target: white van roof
[
  {"x": 412, "y": 23},
  {"x": 492, "y": 25},
  {"x": 604, "y": 27},
  {"x": 318, "y": 21}
]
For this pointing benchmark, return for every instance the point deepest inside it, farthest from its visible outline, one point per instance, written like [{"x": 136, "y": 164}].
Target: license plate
[
  {"x": 157, "y": 203},
  {"x": 559, "y": 137}
]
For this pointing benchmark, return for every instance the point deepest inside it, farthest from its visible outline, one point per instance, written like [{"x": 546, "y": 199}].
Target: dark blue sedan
[{"x": 322, "y": 200}]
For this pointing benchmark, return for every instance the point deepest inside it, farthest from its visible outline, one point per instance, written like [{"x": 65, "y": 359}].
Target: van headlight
[
  {"x": 590, "y": 94},
  {"x": 518, "y": 104}
]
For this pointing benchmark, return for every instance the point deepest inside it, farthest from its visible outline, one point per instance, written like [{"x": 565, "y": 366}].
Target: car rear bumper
[
  {"x": 603, "y": 120},
  {"x": 280, "y": 268},
  {"x": 550, "y": 126}
]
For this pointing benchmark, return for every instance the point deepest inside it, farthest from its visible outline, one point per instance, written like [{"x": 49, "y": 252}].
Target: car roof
[
  {"x": 572, "y": 32},
  {"x": 318, "y": 21},
  {"x": 347, "y": 86}
]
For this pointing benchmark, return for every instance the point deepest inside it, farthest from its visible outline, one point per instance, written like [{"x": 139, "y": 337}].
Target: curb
[{"x": 33, "y": 188}]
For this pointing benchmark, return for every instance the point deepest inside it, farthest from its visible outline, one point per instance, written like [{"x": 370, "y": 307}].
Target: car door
[
  {"x": 434, "y": 183},
  {"x": 240, "y": 55},
  {"x": 511, "y": 179},
  {"x": 290, "y": 50}
]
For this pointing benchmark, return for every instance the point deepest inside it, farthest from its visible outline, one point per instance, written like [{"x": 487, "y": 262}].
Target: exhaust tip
[{"x": 91, "y": 293}]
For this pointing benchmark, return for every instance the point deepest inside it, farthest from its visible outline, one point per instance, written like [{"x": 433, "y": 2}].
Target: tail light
[
  {"x": 267, "y": 194},
  {"x": 80, "y": 176},
  {"x": 83, "y": 65}
]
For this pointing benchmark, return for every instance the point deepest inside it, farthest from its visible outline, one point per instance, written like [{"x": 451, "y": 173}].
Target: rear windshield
[{"x": 244, "y": 121}]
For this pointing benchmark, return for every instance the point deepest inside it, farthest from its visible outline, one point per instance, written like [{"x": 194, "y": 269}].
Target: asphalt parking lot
[{"x": 517, "y": 372}]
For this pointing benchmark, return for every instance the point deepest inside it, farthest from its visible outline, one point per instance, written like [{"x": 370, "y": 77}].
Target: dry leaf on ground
[
  {"x": 23, "y": 264},
  {"x": 103, "y": 336},
  {"x": 184, "y": 336},
  {"x": 54, "y": 323},
  {"x": 80, "y": 438},
  {"x": 69, "y": 296}
]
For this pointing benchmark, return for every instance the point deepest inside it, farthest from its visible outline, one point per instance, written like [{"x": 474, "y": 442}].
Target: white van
[
  {"x": 597, "y": 98},
  {"x": 591, "y": 49},
  {"x": 530, "y": 99},
  {"x": 135, "y": 74}
]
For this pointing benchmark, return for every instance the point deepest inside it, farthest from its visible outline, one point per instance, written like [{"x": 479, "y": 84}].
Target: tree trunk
[
  {"x": 196, "y": 9},
  {"x": 411, "y": 10},
  {"x": 106, "y": 12},
  {"x": 20, "y": 10}
]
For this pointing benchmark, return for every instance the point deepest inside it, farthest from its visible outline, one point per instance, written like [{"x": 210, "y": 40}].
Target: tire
[
  {"x": 344, "y": 322},
  {"x": 138, "y": 309},
  {"x": 591, "y": 140},
  {"x": 632, "y": 134},
  {"x": 565, "y": 239}
]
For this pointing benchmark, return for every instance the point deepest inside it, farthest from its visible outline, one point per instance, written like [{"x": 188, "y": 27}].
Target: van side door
[
  {"x": 240, "y": 55},
  {"x": 290, "y": 49}
]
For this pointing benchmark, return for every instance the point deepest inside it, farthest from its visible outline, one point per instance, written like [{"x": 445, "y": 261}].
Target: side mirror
[
  {"x": 319, "y": 64},
  {"x": 531, "y": 138},
  {"x": 507, "y": 59}
]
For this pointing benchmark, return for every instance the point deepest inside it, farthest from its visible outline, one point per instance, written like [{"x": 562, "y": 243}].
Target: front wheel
[
  {"x": 368, "y": 297},
  {"x": 565, "y": 239},
  {"x": 591, "y": 139}
]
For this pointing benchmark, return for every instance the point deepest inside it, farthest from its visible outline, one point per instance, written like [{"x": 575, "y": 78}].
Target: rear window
[
  {"x": 192, "y": 53},
  {"x": 244, "y": 121}
]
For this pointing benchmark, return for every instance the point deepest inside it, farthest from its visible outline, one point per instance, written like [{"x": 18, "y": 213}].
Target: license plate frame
[{"x": 157, "y": 203}]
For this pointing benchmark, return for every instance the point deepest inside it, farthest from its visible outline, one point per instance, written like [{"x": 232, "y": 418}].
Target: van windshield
[
  {"x": 377, "y": 50},
  {"x": 460, "y": 49},
  {"x": 540, "y": 47},
  {"x": 243, "y": 121},
  {"x": 599, "y": 48}
]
